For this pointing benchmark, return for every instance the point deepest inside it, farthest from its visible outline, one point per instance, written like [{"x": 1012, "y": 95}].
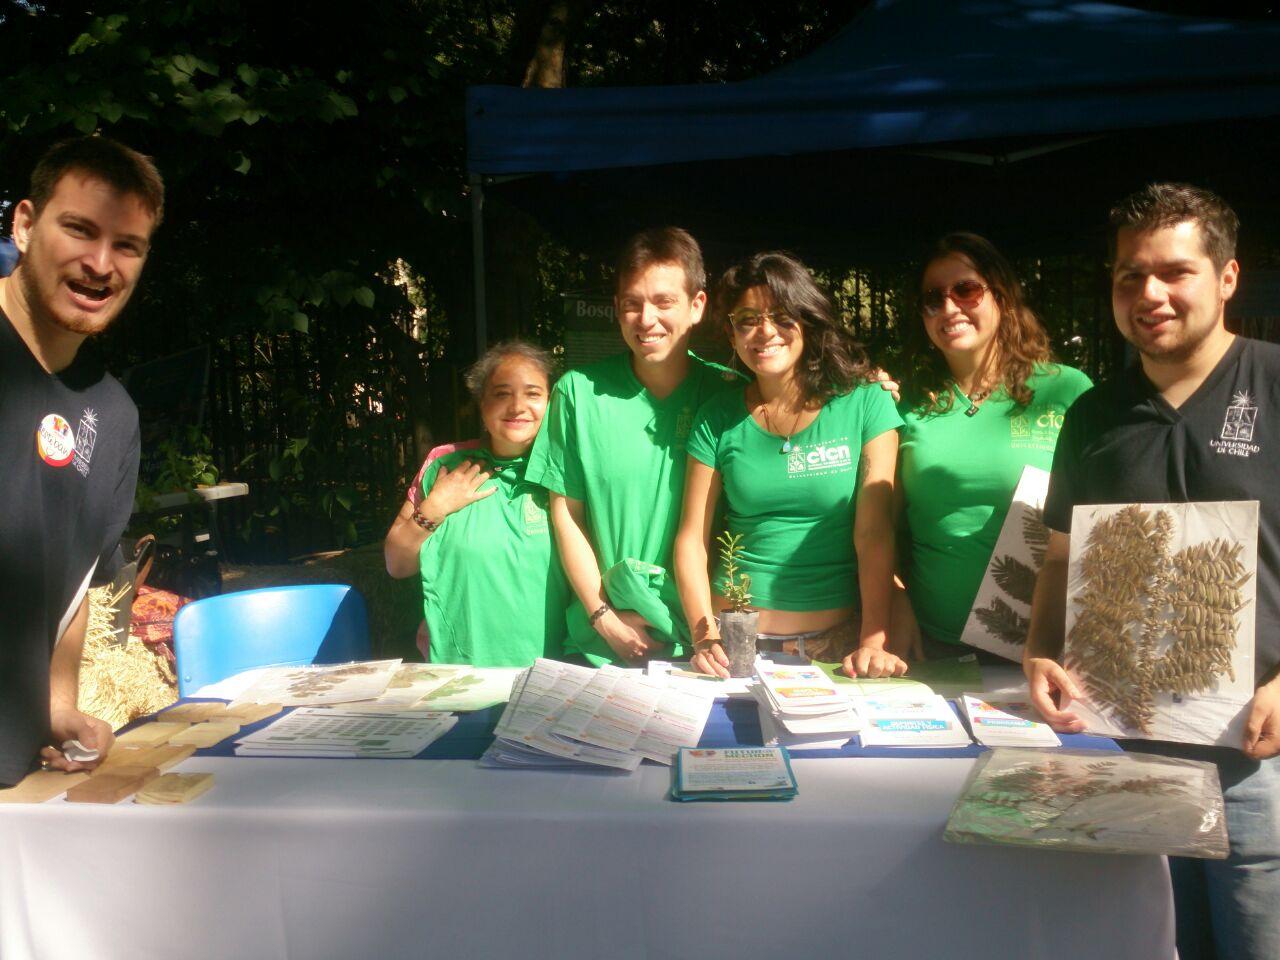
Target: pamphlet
[
  {"x": 910, "y": 722},
  {"x": 477, "y": 689},
  {"x": 333, "y": 732},
  {"x": 737, "y": 773},
  {"x": 1007, "y": 721},
  {"x": 316, "y": 684}
]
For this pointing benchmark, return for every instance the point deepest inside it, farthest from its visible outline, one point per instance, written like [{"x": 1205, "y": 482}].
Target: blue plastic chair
[{"x": 220, "y": 636}]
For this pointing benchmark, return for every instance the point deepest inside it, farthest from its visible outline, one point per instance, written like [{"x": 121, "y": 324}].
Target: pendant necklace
[
  {"x": 974, "y": 399},
  {"x": 786, "y": 439}
]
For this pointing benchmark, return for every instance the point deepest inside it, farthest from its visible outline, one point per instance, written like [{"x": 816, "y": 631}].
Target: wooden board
[
  {"x": 162, "y": 757},
  {"x": 175, "y": 788},
  {"x": 247, "y": 713},
  {"x": 112, "y": 784},
  {"x": 195, "y": 712},
  {"x": 206, "y": 734},
  {"x": 150, "y": 734},
  {"x": 41, "y": 786}
]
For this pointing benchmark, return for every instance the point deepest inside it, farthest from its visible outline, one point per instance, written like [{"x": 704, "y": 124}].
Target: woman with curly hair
[
  {"x": 804, "y": 457},
  {"x": 984, "y": 401}
]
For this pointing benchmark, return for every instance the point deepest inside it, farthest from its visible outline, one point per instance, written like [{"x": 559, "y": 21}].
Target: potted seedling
[{"x": 738, "y": 624}]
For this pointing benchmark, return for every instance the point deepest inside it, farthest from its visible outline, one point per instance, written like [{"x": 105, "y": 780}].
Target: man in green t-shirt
[{"x": 612, "y": 454}]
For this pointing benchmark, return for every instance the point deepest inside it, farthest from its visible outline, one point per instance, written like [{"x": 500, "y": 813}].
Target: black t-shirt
[
  {"x": 68, "y": 466},
  {"x": 1123, "y": 443}
]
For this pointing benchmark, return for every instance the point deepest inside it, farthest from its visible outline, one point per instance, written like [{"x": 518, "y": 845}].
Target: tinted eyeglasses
[
  {"x": 745, "y": 320},
  {"x": 965, "y": 294}
]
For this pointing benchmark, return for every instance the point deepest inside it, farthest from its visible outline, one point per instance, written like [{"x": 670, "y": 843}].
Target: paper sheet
[
  {"x": 915, "y": 722},
  {"x": 333, "y": 732},
  {"x": 320, "y": 683}
]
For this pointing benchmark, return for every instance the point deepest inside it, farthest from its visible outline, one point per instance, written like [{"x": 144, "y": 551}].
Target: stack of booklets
[
  {"x": 1007, "y": 721},
  {"x": 734, "y": 773},
  {"x": 334, "y": 732},
  {"x": 801, "y": 708},
  {"x": 561, "y": 715},
  {"x": 926, "y": 721}
]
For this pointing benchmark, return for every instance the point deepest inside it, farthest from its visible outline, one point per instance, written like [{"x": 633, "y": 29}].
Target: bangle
[
  {"x": 423, "y": 522},
  {"x": 599, "y": 612}
]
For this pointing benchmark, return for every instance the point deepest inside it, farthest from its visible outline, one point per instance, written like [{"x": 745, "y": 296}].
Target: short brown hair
[
  {"x": 1159, "y": 205},
  {"x": 663, "y": 245},
  {"x": 1021, "y": 340},
  {"x": 124, "y": 169},
  {"x": 478, "y": 374}
]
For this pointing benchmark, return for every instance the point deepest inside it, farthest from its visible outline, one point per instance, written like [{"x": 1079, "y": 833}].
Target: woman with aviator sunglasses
[
  {"x": 804, "y": 457},
  {"x": 984, "y": 401}
]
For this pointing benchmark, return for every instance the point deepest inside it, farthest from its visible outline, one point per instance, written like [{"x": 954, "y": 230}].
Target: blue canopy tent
[{"x": 870, "y": 126}]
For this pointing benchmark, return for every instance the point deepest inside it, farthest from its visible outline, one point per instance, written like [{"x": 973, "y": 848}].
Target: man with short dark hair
[
  {"x": 68, "y": 435},
  {"x": 612, "y": 453},
  {"x": 1198, "y": 419}
]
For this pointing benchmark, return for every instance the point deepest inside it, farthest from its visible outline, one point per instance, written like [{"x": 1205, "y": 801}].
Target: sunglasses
[
  {"x": 745, "y": 321},
  {"x": 965, "y": 294}
]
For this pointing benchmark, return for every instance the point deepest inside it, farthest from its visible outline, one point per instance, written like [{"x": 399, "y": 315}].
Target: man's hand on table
[
  {"x": 1051, "y": 691},
  {"x": 68, "y": 724}
]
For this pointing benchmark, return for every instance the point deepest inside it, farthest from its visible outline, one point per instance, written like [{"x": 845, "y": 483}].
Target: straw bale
[{"x": 119, "y": 683}]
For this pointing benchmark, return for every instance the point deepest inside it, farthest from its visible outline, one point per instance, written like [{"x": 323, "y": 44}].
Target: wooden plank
[
  {"x": 206, "y": 734},
  {"x": 150, "y": 734},
  {"x": 174, "y": 788},
  {"x": 41, "y": 786},
  {"x": 195, "y": 712},
  {"x": 247, "y": 713},
  {"x": 162, "y": 757},
  {"x": 112, "y": 784}
]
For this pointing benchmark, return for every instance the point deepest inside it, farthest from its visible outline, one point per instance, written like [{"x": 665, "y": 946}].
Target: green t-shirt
[
  {"x": 493, "y": 589},
  {"x": 794, "y": 510},
  {"x": 610, "y": 443},
  {"x": 958, "y": 474}
]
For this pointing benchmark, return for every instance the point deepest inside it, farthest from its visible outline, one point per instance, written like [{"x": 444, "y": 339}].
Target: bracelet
[
  {"x": 423, "y": 522},
  {"x": 600, "y": 612}
]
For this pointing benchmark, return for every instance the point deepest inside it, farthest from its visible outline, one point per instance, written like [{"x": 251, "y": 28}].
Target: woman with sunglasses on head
[
  {"x": 804, "y": 457},
  {"x": 983, "y": 402}
]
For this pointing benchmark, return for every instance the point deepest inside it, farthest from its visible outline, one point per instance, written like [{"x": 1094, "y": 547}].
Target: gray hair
[{"x": 478, "y": 374}]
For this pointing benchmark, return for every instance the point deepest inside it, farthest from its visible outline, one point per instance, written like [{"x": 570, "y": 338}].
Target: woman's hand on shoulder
[
  {"x": 455, "y": 489},
  {"x": 887, "y": 383},
  {"x": 873, "y": 662}
]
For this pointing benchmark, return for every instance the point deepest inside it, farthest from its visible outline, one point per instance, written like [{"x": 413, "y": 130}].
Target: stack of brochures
[
  {"x": 1007, "y": 720},
  {"x": 801, "y": 708},
  {"x": 561, "y": 715},
  {"x": 334, "y": 732},
  {"x": 926, "y": 721},
  {"x": 734, "y": 773}
]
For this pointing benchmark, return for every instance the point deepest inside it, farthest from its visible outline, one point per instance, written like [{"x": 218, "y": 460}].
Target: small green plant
[{"x": 737, "y": 587}]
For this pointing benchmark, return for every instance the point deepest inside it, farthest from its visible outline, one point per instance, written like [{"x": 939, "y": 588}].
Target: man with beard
[
  {"x": 68, "y": 435},
  {"x": 1198, "y": 419}
]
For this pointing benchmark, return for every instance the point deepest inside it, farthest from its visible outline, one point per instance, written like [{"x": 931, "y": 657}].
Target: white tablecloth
[{"x": 374, "y": 859}]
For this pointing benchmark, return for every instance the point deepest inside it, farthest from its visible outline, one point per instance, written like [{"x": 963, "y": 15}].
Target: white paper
[
  {"x": 482, "y": 687},
  {"x": 1213, "y": 715},
  {"x": 800, "y": 691},
  {"x": 320, "y": 683},
  {"x": 902, "y": 722},
  {"x": 333, "y": 732},
  {"x": 1007, "y": 722},
  {"x": 1001, "y": 611},
  {"x": 413, "y": 681}
]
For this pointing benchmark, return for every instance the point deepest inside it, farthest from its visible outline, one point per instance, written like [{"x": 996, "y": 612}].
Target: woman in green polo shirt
[
  {"x": 983, "y": 401},
  {"x": 493, "y": 589},
  {"x": 804, "y": 457}
]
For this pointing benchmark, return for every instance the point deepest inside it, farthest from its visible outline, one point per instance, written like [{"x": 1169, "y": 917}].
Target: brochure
[
  {"x": 333, "y": 732},
  {"x": 320, "y": 683},
  {"x": 910, "y": 722},
  {"x": 738, "y": 773},
  {"x": 1007, "y": 721}
]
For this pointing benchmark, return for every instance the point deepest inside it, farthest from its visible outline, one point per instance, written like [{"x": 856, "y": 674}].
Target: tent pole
[{"x": 477, "y": 261}]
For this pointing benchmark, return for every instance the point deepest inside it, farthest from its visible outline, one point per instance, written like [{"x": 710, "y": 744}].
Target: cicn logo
[
  {"x": 55, "y": 443},
  {"x": 825, "y": 457}
]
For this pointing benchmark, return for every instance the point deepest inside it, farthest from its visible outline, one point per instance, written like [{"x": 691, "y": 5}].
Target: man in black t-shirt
[
  {"x": 1198, "y": 419},
  {"x": 68, "y": 436}
]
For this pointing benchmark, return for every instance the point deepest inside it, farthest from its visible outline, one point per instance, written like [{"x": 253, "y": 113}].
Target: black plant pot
[{"x": 738, "y": 637}]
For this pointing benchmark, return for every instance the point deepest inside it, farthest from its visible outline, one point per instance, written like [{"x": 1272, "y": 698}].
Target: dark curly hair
[
  {"x": 832, "y": 362},
  {"x": 1021, "y": 340}
]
